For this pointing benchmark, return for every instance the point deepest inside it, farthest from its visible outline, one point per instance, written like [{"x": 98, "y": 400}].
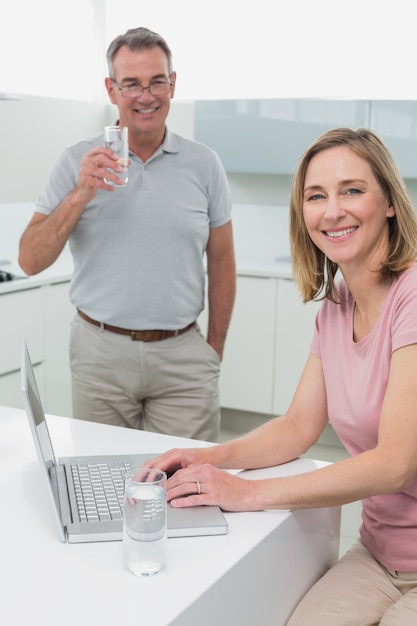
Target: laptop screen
[
  {"x": 34, "y": 407},
  {"x": 37, "y": 422}
]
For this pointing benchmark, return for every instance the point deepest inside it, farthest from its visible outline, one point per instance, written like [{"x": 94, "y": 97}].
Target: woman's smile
[{"x": 339, "y": 233}]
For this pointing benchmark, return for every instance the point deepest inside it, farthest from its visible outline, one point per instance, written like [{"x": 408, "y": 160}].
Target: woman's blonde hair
[{"x": 313, "y": 272}]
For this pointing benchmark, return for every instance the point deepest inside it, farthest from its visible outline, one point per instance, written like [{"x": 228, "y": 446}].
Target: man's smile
[{"x": 145, "y": 111}]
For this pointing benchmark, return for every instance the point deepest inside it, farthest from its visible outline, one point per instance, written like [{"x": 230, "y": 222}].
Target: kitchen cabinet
[
  {"x": 10, "y": 392},
  {"x": 265, "y": 351},
  {"x": 294, "y": 332},
  {"x": 246, "y": 380},
  {"x": 40, "y": 315},
  {"x": 395, "y": 121},
  {"x": 21, "y": 317},
  {"x": 268, "y": 136},
  {"x": 59, "y": 313},
  {"x": 266, "y": 346}
]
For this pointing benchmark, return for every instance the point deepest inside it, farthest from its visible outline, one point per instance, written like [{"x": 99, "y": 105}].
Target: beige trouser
[
  {"x": 359, "y": 591},
  {"x": 168, "y": 386}
]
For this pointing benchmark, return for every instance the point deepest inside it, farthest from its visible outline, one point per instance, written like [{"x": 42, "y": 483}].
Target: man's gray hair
[{"x": 137, "y": 39}]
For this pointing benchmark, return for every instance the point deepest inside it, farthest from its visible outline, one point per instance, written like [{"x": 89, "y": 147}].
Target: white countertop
[
  {"x": 260, "y": 233},
  {"x": 264, "y": 267},
  {"x": 254, "y": 574},
  {"x": 61, "y": 271}
]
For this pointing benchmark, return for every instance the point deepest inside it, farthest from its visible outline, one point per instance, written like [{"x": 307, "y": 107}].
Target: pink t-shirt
[{"x": 356, "y": 376}]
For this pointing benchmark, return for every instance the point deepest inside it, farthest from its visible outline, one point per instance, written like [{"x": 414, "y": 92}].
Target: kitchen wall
[{"x": 35, "y": 129}]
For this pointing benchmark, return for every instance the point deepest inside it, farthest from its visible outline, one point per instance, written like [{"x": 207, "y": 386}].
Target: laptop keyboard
[{"x": 99, "y": 490}]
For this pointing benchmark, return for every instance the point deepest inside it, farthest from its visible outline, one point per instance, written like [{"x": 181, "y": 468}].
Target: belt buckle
[{"x": 145, "y": 335}]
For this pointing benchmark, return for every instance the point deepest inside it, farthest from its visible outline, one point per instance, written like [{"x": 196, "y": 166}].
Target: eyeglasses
[{"x": 156, "y": 88}]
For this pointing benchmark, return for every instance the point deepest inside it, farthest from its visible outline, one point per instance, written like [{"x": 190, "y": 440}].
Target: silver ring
[{"x": 198, "y": 487}]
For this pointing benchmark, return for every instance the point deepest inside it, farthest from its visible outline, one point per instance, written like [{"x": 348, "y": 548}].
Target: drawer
[{"x": 21, "y": 317}]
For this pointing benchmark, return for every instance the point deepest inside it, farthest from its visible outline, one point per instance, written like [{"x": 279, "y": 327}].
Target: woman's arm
[
  {"x": 389, "y": 467},
  {"x": 278, "y": 441}
]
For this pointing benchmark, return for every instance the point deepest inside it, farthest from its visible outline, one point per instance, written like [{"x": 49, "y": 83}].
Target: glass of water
[
  {"x": 116, "y": 138},
  {"x": 145, "y": 521}
]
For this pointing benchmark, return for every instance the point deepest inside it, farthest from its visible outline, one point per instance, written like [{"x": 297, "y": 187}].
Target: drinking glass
[
  {"x": 116, "y": 138},
  {"x": 145, "y": 521}
]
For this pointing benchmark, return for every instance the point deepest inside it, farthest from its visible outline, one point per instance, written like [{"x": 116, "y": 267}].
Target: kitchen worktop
[
  {"x": 13, "y": 220},
  {"x": 60, "y": 271},
  {"x": 260, "y": 233},
  {"x": 264, "y": 267}
]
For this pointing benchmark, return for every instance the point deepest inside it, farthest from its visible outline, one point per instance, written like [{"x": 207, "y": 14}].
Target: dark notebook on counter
[{"x": 86, "y": 492}]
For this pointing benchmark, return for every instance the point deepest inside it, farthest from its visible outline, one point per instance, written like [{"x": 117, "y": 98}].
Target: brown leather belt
[{"x": 137, "y": 335}]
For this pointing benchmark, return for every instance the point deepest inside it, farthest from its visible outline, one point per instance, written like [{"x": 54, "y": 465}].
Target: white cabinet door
[
  {"x": 246, "y": 378},
  {"x": 59, "y": 314},
  {"x": 10, "y": 394},
  {"x": 10, "y": 387},
  {"x": 231, "y": 126},
  {"x": 21, "y": 317},
  {"x": 42, "y": 316},
  {"x": 395, "y": 121},
  {"x": 294, "y": 332}
]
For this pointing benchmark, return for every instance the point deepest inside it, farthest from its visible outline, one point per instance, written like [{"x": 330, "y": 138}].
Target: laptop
[{"x": 78, "y": 518}]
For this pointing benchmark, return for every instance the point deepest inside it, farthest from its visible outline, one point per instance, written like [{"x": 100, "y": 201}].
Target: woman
[{"x": 350, "y": 216}]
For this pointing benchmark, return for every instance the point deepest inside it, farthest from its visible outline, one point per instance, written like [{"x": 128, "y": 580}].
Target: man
[{"x": 137, "y": 357}]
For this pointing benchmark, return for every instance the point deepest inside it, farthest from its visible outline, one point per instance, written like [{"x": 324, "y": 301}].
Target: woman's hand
[
  {"x": 205, "y": 484},
  {"x": 179, "y": 458},
  {"x": 194, "y": 481}
]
